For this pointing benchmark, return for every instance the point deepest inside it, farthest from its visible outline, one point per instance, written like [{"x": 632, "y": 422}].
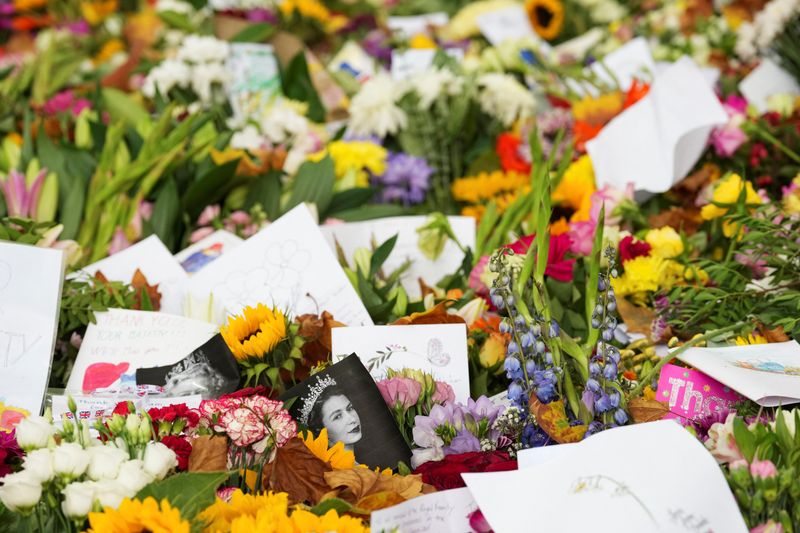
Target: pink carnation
[
  {"x": 243, "y": 426},
  {"x": 763, "y": 469},
  {"x": 400, "y": 391},
  {"x": 444, "y": 393}
]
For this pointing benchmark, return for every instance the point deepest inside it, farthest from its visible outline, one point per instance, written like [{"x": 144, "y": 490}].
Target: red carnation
[
  {"x": 558, "y": 267},
  {"x": 122, "y": 408},
  {"x": 170, "y": 413},
  {"x": 181, "y": 447},
  {"x": 630, "y": 248},
  {"x": 446, "y": 474},
  {"x": 261, "y": 390}
]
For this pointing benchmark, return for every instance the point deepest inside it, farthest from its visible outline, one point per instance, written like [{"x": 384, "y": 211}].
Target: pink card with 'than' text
[{"x": 692, "y": 394}]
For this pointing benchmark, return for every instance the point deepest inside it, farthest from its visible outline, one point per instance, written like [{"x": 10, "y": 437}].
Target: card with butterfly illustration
[{"x": 439, "y": 349}]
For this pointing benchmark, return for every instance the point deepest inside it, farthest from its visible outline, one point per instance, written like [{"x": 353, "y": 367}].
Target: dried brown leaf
[
  {"x": 552, "y": 418},
  {"x": 644, "y": 410},
  {"x": 379, "y": 500},
  {"x": 209, "y": 454},
  {"x": 139, "y": 284},
  {"x": 638, "y": 319},
  {"x": 774, "y": 335},
  {"x": 355, "y": 484},
  {"x": 436, "y": 315},
  {"x": 298, "y": 472}
]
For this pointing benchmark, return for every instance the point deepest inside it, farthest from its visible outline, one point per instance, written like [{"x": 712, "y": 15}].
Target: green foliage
[
  {"x": 189, "y": 492},
  {"x": 313, "y": 184},
  {"x": 296, "y": 83}
]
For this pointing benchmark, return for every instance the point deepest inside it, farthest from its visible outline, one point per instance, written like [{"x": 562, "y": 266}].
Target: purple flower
[
  {"x": 262, "y": 15},
  {"x": 407, "y": 179},
  {"x": 484, "y": 408},
  {"x": 463, "y": 442},
  {"x": 21, "y": 199}
]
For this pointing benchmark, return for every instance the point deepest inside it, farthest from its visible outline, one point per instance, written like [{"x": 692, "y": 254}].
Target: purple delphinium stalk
[{"x": 407, "y": 179}]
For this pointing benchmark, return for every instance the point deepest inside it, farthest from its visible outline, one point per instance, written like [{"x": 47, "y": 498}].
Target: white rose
[
  {"x": 133, "y": 477},
  {"x": 39, "y": 463},
  {"x": 158, "y": 460},
  {"x": 70, "y": 460},
  {"x": 110, "y": 493},
  {"x": 105, "y": 461},
  {"x": 78, "y": 499},
  {"x": 34, "y": 432},
  {"x": 20, "y": 491}
]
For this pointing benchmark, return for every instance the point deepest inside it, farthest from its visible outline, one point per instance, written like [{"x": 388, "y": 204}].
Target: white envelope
[
  {"x": 157, "y": 264},
  {"x": 766, "y": 80},
  {"x": 656, "y": 142},
  {"x": 645, "y": 477},
  {"x": 768, "y": 374},
  {"x": 287, "y": 265},
  {"x": 353, "y": 235},
  {"x": 30, "y": 299}
]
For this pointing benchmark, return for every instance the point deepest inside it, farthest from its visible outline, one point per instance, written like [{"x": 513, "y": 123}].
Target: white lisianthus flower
[
  {"x": 206, "y": 76},
  {"x": 70, "y": 460},
  {"x": 247, "y": 139},
  {"x": 159, "y": 460},
  {"x": 39, "y": 463},
  {"x": 432, "y": 83},
  {"x": 34, "y": 432},
  {"x": 109, "y": 493},
  {"x": 202, "y": 49},
  {"x": 20, "y": 491},
  {"x": 105, "y": 461},
  {"x": 504, "y": 98},
  {"x": 133, "y": 477},
  {"x": 282, "y": 123},
  {"x": 374, "y": 110},
  {"x": 78, "y": 499},
  {"x": 176, "y": 6},
  {"x": 168, "y": 74}
]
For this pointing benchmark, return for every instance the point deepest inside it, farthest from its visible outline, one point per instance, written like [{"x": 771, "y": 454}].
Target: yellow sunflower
[
  {"x": 221, "y": 514},
  {"x": 546, "y": 16},
  {"x": 336, "y": 456},
  {"x": 134, "y": 516},
  {"x": 750, "y": 339},
  {"x": 254, "y": 333}
]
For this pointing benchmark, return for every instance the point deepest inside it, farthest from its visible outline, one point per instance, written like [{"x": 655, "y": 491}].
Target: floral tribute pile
[{"x": 125, "y": 119}]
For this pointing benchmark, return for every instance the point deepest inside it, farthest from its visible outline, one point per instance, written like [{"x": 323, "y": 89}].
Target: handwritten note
[
  {"x": 614, "y": 474},
  {"x": 122, "y": 341},
  {"x": 354, "y": 235},
  {"x": 92, "y": 408},
  {"x": 768, "y": 374},
  {"x": 438, "y": 349},
  {"x": 288, "y": 265},
  {"x": 156, "y": 263},
  {"x": 30, "y": 295},
  {"x": 443, "y": 512},
  {"x": 692, "y": 394}
]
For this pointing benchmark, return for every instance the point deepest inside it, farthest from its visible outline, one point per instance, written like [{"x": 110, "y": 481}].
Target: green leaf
[
  {"x": 177, "y": 20},
  {"x": 369, "y": 212},
  {"x": 380, "y": 255},
  {"x": 210, "y": 188},
  {"x": 255, "y": 33},
  {"x": 313, "y": 184},
  {"x": 297, "y": 85},
  {"x": 340, "y": 506},
  {"x": 266, "y": 191},
  {"x": 122, "y": 107},
  {"x": 745, "y": 440},
  {"x": 190, "y": 492},
  {"x": 348, "y": 199},
  {"x": 166, "y": 213}
]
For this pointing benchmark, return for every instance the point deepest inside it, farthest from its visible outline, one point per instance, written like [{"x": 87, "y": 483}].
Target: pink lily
[{"x": 22, "y": 200}]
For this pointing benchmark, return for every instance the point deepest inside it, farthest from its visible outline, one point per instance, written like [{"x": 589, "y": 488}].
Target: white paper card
[
  {"x": 156, "y": 263},
  {"x": 438, "y": 349},
  {"x": 656, "y": 142},
  {"x": 353, "y": 60},
  {"x": 197, "y": 256},
  {"x": 768, "y": 374},
  {"x": 92, "y": 408},
  {"x": 644, "y": 477},
  {"x": 408, "y": 27},
  {"x": 406, "y": 63},
  {"x": 254, "y": 79},
  {"x": 30, "y": 298},
  {"x": 620, "y": 67},
  {"x": 288, "y": 265},
  {"x": 766, "y": 80},
  {"x": 509, "y": 23},
  {"x": 122, "y": 341},
  {"x": 531, "y": 457},
  {"x": 711, "y": 74},
  {"x": 443, "y": 512},
  {"x": 354, "y": 235}
]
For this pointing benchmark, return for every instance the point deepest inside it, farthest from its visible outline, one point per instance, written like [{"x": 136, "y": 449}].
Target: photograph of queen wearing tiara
[{"x": 344, "y": 400}]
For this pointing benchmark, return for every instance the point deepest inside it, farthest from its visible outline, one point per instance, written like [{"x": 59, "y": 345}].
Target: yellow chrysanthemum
[
  {"x": 646, "y": 274},
  {"x": 336, "y": 456},
  {"x": 306, "y": 521},
  {"x": 254, "y": 333},
  {"x": 221, "y": 514},
  {"x": 134, "y": 516},
  {"x": 727, "y": 191},
  {"x": 546, "y": 16},
  {"x": 312, "y": 9},
  {"x": 664, "y": 242},
  {"x": 96, "y": 11},
  {"x": 109, "y": 49},
  {"x": 750, "y": 339},
  {"x": 598, "y": 109},
  {"x": 487, "y": 185},
  {"x": 791, "y": 201},
  {"x": 354, "y": 160},
  {"x": 576, "y": 187}
]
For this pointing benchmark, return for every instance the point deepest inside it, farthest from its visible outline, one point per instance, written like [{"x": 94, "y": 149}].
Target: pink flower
[
  {"x": 763, "y": 469},
  {"x": 22, "y": 200},
  {"x": 475, "y": 277},
  {"x": 721, "y": 442},
  {"x": 59, "y": 103},
  {"x": 558, "y": 266},
  {"x": 243, "y": 426},
  {"x": 735, "y": 105},
  {"x": 240, "y": 218},
  {"x": 200, "y": 234},
  {"x": 611, "y": 198},
  {"x": 443, "y": 394},
  {"x": 727, "y": 139},
  {"x": 209, "y": 214},
  {"x": 478, "y": 522},
  {"x": 582, "y": 235},
  {"x": 737, "y": 464},
  {"x": 768, "y": 527},
  {"x": 400, "y": 392},
  {"x": 118, "y": 242}
]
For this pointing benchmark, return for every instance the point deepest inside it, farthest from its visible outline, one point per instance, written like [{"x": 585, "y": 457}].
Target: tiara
[{"x": 313, "y": 394}]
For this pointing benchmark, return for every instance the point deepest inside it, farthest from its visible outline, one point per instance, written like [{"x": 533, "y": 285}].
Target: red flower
[
  {"x": 757, "y": 153},
  {"x": 558, "y": 267},
  {"x": 637, "y": 91},
  {"x": 122, "y": 408},
  {"x": 170, "y": 413},
  {"x": 446, "y": 474},
  {"x": 181, "y": 447},
  {"x": 630, "y": 248},
  {"x": 261, "y": 390},
  {"x": 507, "y": 149},
  {"x": 773, "y": 118}
]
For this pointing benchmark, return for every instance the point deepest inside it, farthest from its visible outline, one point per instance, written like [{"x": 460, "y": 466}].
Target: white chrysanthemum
[
  {"x": 168, "y": 74},
  {"x": 205, "y": 77},
  {"x": 202, "y": 49},
  {"x": 501, "y": 96},
  {"x": 282, "y": 123},
  {"x": 176, "y": 6},
  {"x": 247, "y": 139},
  {"x": 756, "y": 36},
  {"x": 374, "y": 110},
  {"x": 433, "y": 82}
]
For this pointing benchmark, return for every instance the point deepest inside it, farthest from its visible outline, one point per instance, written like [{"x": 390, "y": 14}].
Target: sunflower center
[{"x": 544, "y": 16}]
